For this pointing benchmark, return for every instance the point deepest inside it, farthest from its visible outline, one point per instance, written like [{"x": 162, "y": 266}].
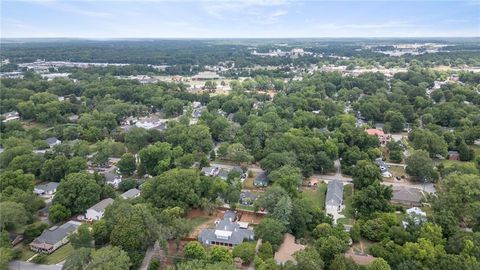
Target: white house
[
  {"x": 9, "y": 116},
  {"x": 96, "y": 212},
  {"x": 46, "y": 189}
]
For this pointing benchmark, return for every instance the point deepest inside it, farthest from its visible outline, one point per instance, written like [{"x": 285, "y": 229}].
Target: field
[
  {"x": 347, "y": 201},
  {"x": 316, "y": 195},
  {"x": 60, "y": 254}
]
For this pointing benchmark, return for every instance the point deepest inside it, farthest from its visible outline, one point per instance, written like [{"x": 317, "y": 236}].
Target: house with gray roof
[
  {"x": 228, "y": 232},
  {"x": 52, "y": 141},
  {"x": 53, "y": 238},
  {"x": 383, "y": 167},
  {"x": 96, "y": 212},
  {"x": 261, "y": 180},
  {"x": 247, "y": 197},
  {"x": 131, "y": 193},
  {"x": 46, "y": 189},
  {"x": 334, "y": 198},
  {"x": 407, "y": 196}
]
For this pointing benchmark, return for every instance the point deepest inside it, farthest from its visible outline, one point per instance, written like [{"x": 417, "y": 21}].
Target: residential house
[
  {"x": 205, "y": 76},
  {"x": 382, "y": 137},
  {"x": 287, "y": 249},
  {"x": 210, "y": 171},
  {"x": 15, "y": 238},
  {"x": 407, "y": 196},
  {"x": 334, "y": 198},
  {"x": 96, "y": 212},
  {"x": 48, "y": 189},
  {"x": 415, "y": 215},
  {"x": 112, "y": 177},
  {"x": 261, "y": 180},
  {"x": 73, "y": 118},
  {"x": 383, "y": 167},
  {"x": 53, "y": 238},
  {"x": 131, "y": 193},
  {"x": 197, "y": 112},
  {"x": 247, "y": 197},
  {"x": 53, "y": 141},
  {"x": 228, "y": 232},
  {"x": 453, "y": 155},
  {"x": 10, "y": 116}
]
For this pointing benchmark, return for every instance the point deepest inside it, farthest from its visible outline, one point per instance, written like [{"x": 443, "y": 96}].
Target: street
[{"x": 20, "y": 265}]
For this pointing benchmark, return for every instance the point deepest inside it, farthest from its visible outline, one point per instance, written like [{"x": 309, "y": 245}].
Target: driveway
[{"x": 20, "y": 265}]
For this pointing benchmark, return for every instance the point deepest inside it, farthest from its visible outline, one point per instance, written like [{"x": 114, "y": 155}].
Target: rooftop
[
  {"x": 131, "y": 193},
  {"x": 55, "y": 234},
  {"x": 101, "y": 205},
  {"x": 334, "y": 193}
]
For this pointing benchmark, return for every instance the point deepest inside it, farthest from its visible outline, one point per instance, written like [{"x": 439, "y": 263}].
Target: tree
[
  {"x": 288, "y": 177},
  {"x": 16, "y": 179},
  {"x": 109, "y": 258},
  {"x": 378, "y": 264},
  {"x": 78, "y": 260},
  {"x": 270, "y": 198},
  {"x": 308, "y": 259},
  {"x": 428, "y": 141},
  {"x": 55, "y": 169},
  {"x": 245, "y": 251},
  {"x": 194, "y": 251},
  {"x": 154, "y": 264},
  {"x": 330, "y": 246},
  {"x": 395, "y": 119},
  {"x": 136, "y": 139},
  {"x": 458, "y": 195},
  {"x": 396, "y": 156},
  {"x": 131, "y": 227},
  {"x": 76, "y": 164},
  {"x": 157, "y": 158},
  {"x": 77, "y": 192},
  {"x": 173, "y": 107},
  {"x": 374, "y": 198},
  {"x": 270, "y": 230},
  {"x": 82, "y": 237},
  {"x": 176, "y": 187},
  {"x": 365, "y": 173},
  {"x": 466, "y": 154},
  {"x": 275, "y": 160},
  {"x": 420, "y": 166},
  {"x": 283, "y": 210},
  {"x": 127, "y": 164},
  {"x": 220, "y": 254},
  {"x": 238, "y": 153},
  {"x": 100, "y": 232},
  {"x": 265, "y": 251},
  {"x": 58, "y": 213},
  {"x": 13, "y": 215}
]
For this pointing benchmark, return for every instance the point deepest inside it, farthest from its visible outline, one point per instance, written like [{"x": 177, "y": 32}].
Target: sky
[{"x": 238, "y": 18}]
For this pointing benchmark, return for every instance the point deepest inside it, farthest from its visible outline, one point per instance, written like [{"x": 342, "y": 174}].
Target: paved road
[
  {"x": 429, "y": 188},
  {"x": 19, "y": 265}
]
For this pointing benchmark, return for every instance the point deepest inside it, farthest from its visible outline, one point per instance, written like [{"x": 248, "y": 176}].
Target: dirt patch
[
  {"x": 251, "y": 218},
  {"x": 202, "y": 220}
]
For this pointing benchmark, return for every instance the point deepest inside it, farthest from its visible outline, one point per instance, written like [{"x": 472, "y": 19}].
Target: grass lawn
[
  {"x": 26, "y": 253},
  {"x": 397, "y": 171},
  {"x": 316, "y": 196},
  {"x": 248, "y": 183},
  {"x": 245, "y": 207},
  {"x": 60, "y": 254},
  {"x": 197, "y": 221},
  {"x": 347, "y": 201}
]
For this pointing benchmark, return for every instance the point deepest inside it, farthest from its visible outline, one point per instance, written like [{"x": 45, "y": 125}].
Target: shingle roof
[
  {"x": 227, "y": 231},
  {"x": 131, "y": 193},
  {"x": 48, "y": 187},
  {"x": 55, "y": 234},
  {"x": 334, "y": 193},
  {"x": 101, "y": 205},
  {"x": 51, "y": 140},
  {"x": 407, "y": 194}
]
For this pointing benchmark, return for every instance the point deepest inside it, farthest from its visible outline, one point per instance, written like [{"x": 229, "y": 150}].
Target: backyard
[
  {"x": 316, "y": 195},
  {"x": 348, "y": 211}
]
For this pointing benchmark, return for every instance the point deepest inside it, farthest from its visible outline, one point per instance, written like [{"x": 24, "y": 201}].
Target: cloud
[
  {"x": 220, "y": 9},
  {"x": 383, "y": 25},
  {"x": 73, "y": 9}
]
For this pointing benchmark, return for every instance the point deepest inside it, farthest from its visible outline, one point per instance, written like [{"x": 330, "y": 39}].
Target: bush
[
  {"x": 154, "y": 264},
  {"x": 40, "y": 259},
  {"x": 33, "y": 230}
]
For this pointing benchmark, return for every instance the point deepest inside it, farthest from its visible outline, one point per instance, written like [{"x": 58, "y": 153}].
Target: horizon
[{"x": 238, "y": 19}]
